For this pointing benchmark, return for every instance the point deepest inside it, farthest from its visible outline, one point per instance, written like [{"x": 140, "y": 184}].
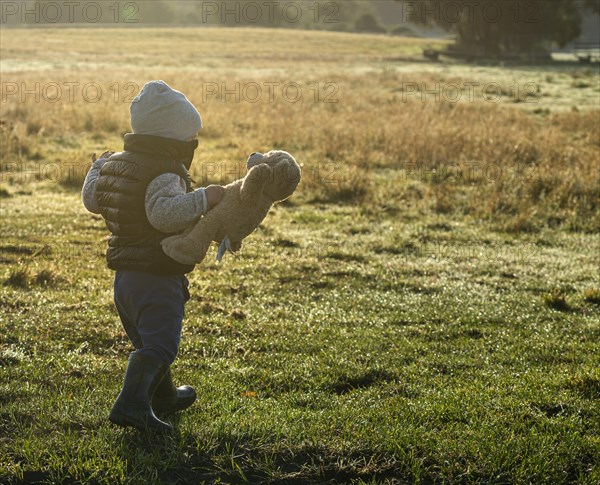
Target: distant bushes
[
  {"x": 368, "y": 23},
  {"x": 404, "y": 31},
  {"x": 349, "y": 15}
]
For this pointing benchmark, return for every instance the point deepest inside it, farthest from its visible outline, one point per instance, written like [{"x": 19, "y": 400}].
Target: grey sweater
[{"x": 168, "y": 207}]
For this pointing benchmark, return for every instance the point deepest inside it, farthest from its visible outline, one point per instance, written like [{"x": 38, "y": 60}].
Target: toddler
[{"x": 145, "y": 194}]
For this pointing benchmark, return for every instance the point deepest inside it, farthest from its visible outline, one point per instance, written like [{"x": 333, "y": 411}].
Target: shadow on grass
[
  {"x": 240, "y": 459},
  {"x": 243, "y": 458}
]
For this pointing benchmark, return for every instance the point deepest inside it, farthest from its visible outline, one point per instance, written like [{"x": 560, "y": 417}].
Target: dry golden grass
[{"x": 373, "y": 146}]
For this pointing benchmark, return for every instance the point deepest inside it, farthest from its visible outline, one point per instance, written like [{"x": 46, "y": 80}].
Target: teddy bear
[{"x": 272, "y": 177}]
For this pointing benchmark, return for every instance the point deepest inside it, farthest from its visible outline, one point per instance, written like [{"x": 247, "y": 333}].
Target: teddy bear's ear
[{"x": 254, "y": 159}]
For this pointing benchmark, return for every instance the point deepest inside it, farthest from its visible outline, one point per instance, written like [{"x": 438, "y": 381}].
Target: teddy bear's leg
[
  {"x": 255, "y": 181},
  {"x": 184, "y": 250},
  {"x": 191, "y": 246}
]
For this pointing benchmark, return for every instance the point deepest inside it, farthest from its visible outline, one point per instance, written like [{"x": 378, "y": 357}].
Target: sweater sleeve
[
  {"x": 169, "y": 208},
  {"x": 88, "y": 192}
]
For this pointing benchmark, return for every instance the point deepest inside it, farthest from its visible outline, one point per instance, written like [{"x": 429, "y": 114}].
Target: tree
[
  {"x": 500, "y": 27},
  {"x": 368, "y": 23},
  {"x": 593, "y": 5}
]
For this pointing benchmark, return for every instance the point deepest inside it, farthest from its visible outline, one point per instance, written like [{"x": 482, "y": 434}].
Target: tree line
[{"x": 493, "y": 27}]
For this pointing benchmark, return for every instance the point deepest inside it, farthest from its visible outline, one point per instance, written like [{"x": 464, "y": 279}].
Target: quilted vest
[{"x": 134, "y": 243}]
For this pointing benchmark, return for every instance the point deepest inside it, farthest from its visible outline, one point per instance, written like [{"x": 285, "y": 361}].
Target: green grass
[{"x": 362, "y": 350}]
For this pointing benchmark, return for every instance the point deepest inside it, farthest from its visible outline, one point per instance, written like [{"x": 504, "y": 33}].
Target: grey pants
[{"x": 151, "y": 308}]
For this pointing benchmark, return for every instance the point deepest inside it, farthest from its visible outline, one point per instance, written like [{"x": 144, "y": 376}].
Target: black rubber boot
[
  {"x": 169, "y": 399},
  {"x": 132, "y": 407}
]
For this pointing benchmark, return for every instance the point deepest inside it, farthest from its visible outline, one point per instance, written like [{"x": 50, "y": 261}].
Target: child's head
[{"x": 159, "y": 110}]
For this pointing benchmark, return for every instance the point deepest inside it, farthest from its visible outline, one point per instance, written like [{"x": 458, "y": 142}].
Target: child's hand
[
  {"x": 214, "y": 195},
  {"x": 106, "y": 154}
]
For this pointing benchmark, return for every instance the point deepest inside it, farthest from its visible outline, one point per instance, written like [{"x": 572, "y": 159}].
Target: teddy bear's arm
[
  {"x": 191, "y": 246},
  {"x": 255, "y": 181}
]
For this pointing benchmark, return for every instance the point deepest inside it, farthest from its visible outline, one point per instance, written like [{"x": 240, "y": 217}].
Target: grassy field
[{"x": 425, "y": 309}]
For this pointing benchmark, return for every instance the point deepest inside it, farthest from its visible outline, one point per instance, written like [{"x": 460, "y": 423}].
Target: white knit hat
[{"x": 159, "y": 110}]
